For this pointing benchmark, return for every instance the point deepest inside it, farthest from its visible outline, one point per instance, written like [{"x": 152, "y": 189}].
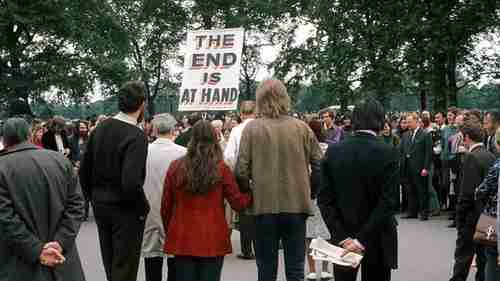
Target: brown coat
[{"x": 276, "y": 155}]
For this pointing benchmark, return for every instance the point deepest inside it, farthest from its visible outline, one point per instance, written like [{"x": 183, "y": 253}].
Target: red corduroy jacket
[{"x": 195, "y": 225}]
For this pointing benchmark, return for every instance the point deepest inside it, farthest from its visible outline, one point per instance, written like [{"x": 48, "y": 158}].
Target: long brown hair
[{"x": 202, "y": 158}]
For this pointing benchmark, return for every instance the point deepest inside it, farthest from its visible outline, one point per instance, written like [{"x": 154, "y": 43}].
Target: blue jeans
[
  {"x": 492, "y": 270},
  {"x": 290, "y": 229}
]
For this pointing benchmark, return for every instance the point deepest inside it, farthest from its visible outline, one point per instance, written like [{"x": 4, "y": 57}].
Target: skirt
[{"x": 315, "y": 226}]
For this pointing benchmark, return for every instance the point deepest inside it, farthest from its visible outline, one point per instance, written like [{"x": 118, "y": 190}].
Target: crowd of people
[{"x": 166, "y": 188}]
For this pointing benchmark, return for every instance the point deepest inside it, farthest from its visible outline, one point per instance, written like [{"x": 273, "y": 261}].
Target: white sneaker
[
  {"x": 312, "y": 276},
  {"x": 326, "y": 275}
]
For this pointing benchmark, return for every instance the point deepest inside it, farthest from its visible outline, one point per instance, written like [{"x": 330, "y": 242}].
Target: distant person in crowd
[
  {"x": 416, "y": 160},
  {"x": 79, "y": 141},
  {"x": 394, "y": 124},
  {"x": 333, "y": 133},
  {"x": 160, "y": 154},
  {"x": 429, "y": 128},
  {"x": 315, "y": 226},
  {"x": 184, "y": 138},
  {"x": 56, "y": 138},
  {"x": 474, "y": 169},
  {"x": 437, "y": 180},
  {"x": 112, "y": 174},
  {"x": 387, "y": 137},
  {"x": 148, "y": 129},
  {"x": 317, "y": 129},
  {"x": 347, "y": 125},
  {"x": 402, "y": 127},
  {"x": 278, "y": 144},
  {"x": 41, "y": 209},
  {"x": 195, "y": 187},
  {"x": 235, "y": 122},
  {"x": 218, "y": 125},
  {"x": 231, "y": 153},
  {"x": 457, "y": 150},
  {"x": 448, "y": 159},
  {"x": 359, "y": 210},
  {"x": 491, "y": 124},
  {"x": 78, "y": 148},
  {"x": 37, "y": 135},
  {"x": 487, "y": 194}
]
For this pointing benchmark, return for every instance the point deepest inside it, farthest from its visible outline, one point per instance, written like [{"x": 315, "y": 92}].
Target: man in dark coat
[
  {"x": 112, "y": 175},
  {"x": 41, "y": 209},
  {"x": 416, "y": 160},
  {"x": 359, "y": 195},
  {"x": 474, "y": 169}
]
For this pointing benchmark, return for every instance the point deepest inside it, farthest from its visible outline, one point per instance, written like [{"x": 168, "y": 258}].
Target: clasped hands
[
  {"x": 350, "y": 245},
  {"x": 51, "y": 255}
]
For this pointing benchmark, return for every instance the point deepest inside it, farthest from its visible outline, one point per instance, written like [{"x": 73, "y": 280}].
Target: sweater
[{"x": 114, "y": 166}]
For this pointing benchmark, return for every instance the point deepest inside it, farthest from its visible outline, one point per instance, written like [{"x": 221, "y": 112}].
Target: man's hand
[
  {"x": 51, "y": 257},
  {"x": 54, "y": 245},
  {"x": 351, "y": 246},
  {"x": 424, "y": 173}
]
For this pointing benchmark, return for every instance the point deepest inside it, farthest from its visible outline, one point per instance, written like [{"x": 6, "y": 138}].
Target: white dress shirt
[{"x": 233, "y": 145}]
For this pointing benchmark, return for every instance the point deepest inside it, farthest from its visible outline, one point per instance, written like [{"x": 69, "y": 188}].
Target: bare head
[{"x": 272, "y": 99}]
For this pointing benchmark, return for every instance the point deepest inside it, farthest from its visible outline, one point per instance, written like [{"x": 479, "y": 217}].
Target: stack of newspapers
[{"x": 324, "y": 251}]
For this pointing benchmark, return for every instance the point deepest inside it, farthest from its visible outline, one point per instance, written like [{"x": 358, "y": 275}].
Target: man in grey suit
[
  {"x": 474, "y": 169},
  {"x": 41, "y": 209}
]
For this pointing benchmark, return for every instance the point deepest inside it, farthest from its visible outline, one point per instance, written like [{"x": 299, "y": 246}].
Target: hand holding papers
[{"x": 324, "y": 251}]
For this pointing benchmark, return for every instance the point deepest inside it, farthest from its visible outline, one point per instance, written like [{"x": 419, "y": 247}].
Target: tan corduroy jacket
[{"x": 275, "y": 154}]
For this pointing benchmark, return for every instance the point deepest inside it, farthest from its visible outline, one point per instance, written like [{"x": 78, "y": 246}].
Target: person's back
[
  {"x": 112, "y": 145},
  {"x": 112, "y": 174},
  {"x": 39, "y": 202},
  {"x": 359, "y": 195},
  {"x": 281, "y": 152},
  {"x": 358, "y": 168}
]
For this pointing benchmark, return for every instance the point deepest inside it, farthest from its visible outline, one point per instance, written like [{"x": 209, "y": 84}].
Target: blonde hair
[
  {"x": 272, "y": 99},
  {"x": 413, "y": 115}
]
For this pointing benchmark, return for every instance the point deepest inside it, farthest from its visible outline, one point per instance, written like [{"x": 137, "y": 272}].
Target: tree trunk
[
  {"x": 438, "y": 82},
  {"x": 452, "y": 78}
]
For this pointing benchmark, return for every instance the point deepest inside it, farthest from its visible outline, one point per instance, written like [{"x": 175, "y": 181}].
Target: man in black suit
[
  {"x": 360, "y": 195},
  {"x": 474, "y": 169},
  {"x": 416, "y": 160}
]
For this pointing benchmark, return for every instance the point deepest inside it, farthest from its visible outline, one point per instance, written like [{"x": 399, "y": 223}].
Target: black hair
[
  {"x": 473, "y": 130},
  {"x": 131, "y": 96},
  {"x": 495, "y": 116},
  {"x": 368, "y": 114}
]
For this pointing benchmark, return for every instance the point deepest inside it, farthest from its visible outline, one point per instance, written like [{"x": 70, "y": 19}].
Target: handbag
[{"x": 486, "y": 232}]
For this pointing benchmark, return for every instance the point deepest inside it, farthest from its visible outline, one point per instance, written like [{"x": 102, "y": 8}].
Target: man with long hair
[{"x": 276, "y": 153}]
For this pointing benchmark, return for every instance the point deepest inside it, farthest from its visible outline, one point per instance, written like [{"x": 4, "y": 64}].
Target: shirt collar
[
  {"x": 163, "y": 141},
  {"x": 474, "y": 146},
  {"x": 125, "y": 118},
  {"x": 370, "y": 132}
]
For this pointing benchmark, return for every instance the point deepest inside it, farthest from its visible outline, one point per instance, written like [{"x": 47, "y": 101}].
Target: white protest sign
[{"x": 211, "y": 73}]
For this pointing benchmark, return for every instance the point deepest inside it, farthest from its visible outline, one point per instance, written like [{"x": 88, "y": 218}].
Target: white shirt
[
  {"x": 59, "y": 142},
  {"x": 474, "y": 146},
  {"x": 233, "y": 145}
]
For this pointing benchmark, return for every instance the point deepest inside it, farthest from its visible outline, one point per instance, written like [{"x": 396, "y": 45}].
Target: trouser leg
[
  {"x": 292, "y": 228},
  {"x": 153, "y": 268},
  {"x": 267, "y": 242}
]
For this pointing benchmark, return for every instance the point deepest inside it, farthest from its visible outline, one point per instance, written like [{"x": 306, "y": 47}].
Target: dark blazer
[
  {"x": 416, "y": 155},
  {"x": 359, "y": 195},
  {"x": 40, "y": 201},
  {"x": 49, "y": 140},
  {"x": 474, "y": 169}
]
